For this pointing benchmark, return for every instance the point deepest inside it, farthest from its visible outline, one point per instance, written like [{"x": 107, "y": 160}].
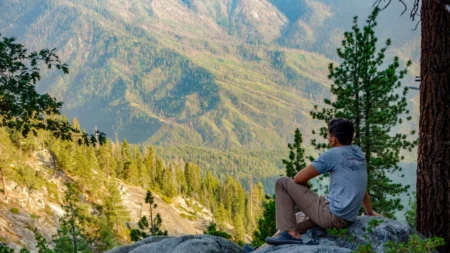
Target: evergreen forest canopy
[{"x": 216, "y": 85}]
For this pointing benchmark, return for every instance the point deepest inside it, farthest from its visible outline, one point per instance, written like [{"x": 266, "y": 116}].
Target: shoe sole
[{"x": 279, "y": 242}]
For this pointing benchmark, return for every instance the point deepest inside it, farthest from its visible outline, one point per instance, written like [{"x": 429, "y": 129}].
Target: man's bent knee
[{"x": 281, "y": 181}]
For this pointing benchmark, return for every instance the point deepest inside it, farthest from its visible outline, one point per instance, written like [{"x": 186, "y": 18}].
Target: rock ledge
[{"x": 316, "y": 240}]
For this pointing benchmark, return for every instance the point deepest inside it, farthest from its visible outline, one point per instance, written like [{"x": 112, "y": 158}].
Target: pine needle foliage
[
  {"x": 154, "y": 226},
  {"x": 373, "y": 98},
  {"x": 296, "y": 160}
]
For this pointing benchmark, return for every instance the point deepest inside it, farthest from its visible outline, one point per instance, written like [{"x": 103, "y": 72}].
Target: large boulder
[
  {"x": 187, "y": 243},
  {"x": 366, "y": 230}
]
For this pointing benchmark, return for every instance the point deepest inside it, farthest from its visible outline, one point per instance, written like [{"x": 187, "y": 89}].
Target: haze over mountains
[{"x": 198, "y": 75}]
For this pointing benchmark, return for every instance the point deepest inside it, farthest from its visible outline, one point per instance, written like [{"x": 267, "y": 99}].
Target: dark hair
[{"x": 342, "y": 129}]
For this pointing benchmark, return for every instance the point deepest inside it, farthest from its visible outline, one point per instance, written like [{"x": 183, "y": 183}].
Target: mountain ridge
[{"x": 222, "y": 74}]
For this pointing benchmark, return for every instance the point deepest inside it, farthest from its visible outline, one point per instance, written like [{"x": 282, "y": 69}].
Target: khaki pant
[{"x": 314, "y": 210}]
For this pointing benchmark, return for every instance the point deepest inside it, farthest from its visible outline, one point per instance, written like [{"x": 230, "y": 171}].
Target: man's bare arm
[
  {"x": 305, "y": 175},
  {"x": 368, "y": 206}
]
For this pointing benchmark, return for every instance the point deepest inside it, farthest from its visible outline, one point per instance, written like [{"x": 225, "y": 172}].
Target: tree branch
[{"x": 414, "y": 11}]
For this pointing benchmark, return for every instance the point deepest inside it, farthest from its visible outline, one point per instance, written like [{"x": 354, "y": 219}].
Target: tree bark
[
  {"x": 4, "y": 182},
  {"x": 72, "y": 225},
  {"x": 433, "y": 164}
]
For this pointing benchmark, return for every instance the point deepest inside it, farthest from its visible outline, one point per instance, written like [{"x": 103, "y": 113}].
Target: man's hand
[
  {"x": 368, "y": 206},
  {"x": 373, "y": 213}
]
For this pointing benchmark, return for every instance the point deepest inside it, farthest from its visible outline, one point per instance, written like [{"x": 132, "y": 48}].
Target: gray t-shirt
[{"x": 348, "y": 179}]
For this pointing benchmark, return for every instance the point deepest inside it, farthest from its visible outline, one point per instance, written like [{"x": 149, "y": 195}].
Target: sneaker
[
  {"x": 248, "y": 248},
  {"x": 283, "y": 238}
]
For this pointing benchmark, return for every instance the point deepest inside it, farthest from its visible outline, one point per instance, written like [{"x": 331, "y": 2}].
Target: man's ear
[{"x": 334, "y": 140}]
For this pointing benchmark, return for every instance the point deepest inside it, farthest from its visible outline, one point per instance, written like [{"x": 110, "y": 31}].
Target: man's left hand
[{"x": 373, "y": 213}]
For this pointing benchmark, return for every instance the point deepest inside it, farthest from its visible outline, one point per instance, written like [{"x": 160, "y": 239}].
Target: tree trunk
[
  {"x": 74, "y": 235},
  {"x": 151, "y": 220},
  {"x": 4, "y": 182},
  {"x": 433, "y": 164}
]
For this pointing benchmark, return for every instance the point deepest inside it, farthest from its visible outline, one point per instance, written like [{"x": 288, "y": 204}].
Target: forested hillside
[
  {"x": 222, "y": 83},
  {"x": 109, "y": 183}
]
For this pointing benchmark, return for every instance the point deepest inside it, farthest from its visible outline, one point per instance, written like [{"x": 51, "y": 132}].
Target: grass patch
[
  {"x": 48, "y": 210},
  {"x": 166, "y": 199},
  {"x": 194, "y": 206},
  {"x": 14, "y": 210},
  {"x": 189, "y": 217},
  {"x": 185, "y": 210}
]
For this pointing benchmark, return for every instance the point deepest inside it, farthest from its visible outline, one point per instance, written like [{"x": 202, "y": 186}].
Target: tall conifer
[
  {"x": 149, "y": 165},
  {"x": 374, "y": 99},
  {"x": 296, "y": 160},
  {"x": 70, "y": 237},
  {"x": 154, "y": 226},
  {"x": 115, "y": 212}
]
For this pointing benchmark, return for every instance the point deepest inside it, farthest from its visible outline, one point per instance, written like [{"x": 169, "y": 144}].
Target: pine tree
[
  {"x": 213, "y": 230},
  {"x": 41, "y": 243},
  {"x": 154, "y": 226},
  {"x": 76, "y": 124},
  {"x": 255, "y": 205},
  {"x": 371, "y": 98},
  {"x": 128, "y": 172},
  {"x": 6, "y": 154},
  {"x": 169, "y": 186},
  {"x": 93, "y": 165},
  {"x": 211, "y": 191},
  {"x": 70, "y": 237},
  {"x": 296, "y": 160},
  {"x": 64, "y": 154},
  {"x": 155, "y": 223},
  {"x": 114, "y": 211},
  {"x": 105, "y": 238},
  {"x": 138, "y": 177},
  {"x": 294, "y": 164},
  {"x": 192, "y": 172},
  {"x": 149, "y": 164},
  {"x": 239, "y": 230},
  {"x": 221, "y": 215},
  {"x": 266, "y": 224},
  {"x": 5, "y": 249},
  {"x": 233, "y": 197},
  {"x": 106, "y": 159},
  {"x": 159, "y": 170},
  {"x": 182, "y": 187},
  {"x": 82, "y": 169},
  {"x": 433, "y": 161}
]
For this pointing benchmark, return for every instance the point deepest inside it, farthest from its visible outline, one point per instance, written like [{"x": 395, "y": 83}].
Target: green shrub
[
  {"x": 415, "y": 244},
  {"x": 337, "y": 232},
  {"x": 212, "y": 230},
  {"x": 364, "y": 248},
  {"x": 5, "y": 249},
  {"x": 166, "y": 199},
  {"x": 52, "y": 190},
  {"x": 14, "y": 210},
  {"x": 48, "y": 210},
  {"x": 372, "y": 224}
]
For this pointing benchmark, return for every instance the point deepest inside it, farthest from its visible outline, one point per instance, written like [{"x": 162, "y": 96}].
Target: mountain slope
[
  {"x": 218, "y": 74},
  {"x": 35, "y": 204}
]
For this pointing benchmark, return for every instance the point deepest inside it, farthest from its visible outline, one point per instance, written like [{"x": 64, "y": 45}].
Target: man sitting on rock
[{"x": 347, "y": 189}]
